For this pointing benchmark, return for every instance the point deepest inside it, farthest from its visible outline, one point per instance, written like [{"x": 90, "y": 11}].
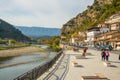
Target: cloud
[{"x": 43, "y": 13}]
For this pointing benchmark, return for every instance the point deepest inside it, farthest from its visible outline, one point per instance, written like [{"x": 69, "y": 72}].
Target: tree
[{"x": 3, "y": 41}]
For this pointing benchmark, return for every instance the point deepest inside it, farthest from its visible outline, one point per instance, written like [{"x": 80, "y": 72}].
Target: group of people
[{"x": 105, "y": 54}]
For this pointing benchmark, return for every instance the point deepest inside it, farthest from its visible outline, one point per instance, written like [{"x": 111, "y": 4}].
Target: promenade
[{"x": 89, "y": 66}]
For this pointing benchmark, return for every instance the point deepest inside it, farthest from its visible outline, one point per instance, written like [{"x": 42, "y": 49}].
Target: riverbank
[{"x": 19, "y": 51}]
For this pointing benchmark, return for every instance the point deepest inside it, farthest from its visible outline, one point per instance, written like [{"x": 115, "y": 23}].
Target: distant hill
[
  {"x": 39, "y": 32},
  {"x": 7, "y": 31}
]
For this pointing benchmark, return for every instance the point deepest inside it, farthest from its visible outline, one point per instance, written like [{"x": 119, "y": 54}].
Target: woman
[{"x": 107, "y": 54}]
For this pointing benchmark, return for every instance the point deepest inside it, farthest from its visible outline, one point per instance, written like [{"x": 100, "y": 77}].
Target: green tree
[{"x": 3, "y": 41}]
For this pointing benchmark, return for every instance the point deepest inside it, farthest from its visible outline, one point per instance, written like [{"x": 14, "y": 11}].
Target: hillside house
[
  {"x": 112, "y": 36},
  {"x": 102, "y": 2},
  {"x": 91, "y": 33}
]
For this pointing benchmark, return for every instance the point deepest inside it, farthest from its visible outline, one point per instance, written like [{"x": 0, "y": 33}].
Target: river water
[{"x": 16, "y": 66}]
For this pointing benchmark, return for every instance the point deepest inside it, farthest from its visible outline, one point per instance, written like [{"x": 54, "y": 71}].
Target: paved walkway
[
  {"x": 58, "y": 71},
  {"x": 92, "y": 65},
  {"x": 86, "y": 67}
]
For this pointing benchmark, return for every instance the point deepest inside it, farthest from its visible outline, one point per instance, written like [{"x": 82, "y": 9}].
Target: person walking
[
  {"x": 103, "y": 55},
  {"x": 84, "y": 51},
  {"x": 107, "y": 54}
]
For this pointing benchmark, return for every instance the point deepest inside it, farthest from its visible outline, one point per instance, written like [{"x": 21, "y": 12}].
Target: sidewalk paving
[
  {"x": 92, "y": 65},
  {"x": 85, "y": 67},
  {"x": 58, "y": 70}
]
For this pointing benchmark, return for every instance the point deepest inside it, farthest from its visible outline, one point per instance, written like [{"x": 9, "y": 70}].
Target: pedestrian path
[
  {"x": 58, "y": 71},
  {"x": 89, "y": 66},
  {"x": 92, "y": 65}
]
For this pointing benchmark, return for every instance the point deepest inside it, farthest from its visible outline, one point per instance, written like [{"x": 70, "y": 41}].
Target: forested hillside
[
  {"x": 7, "y": 31},
  {"x": 95, "y": 14}
]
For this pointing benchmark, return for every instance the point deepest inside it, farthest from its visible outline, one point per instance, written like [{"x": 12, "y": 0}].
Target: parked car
[
  {"x": 97, "y": 46},
  {"x": 83, "y": 45},
  {"x": 109, "y": 47}
]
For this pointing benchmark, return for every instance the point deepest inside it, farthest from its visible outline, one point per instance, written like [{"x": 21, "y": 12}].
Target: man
[{"x": 103, "y": 56}]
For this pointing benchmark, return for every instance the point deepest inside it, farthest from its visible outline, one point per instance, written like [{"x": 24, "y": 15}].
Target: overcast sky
[{"x": 41, "y": 13}]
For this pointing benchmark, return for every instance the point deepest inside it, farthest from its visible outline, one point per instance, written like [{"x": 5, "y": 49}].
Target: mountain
[
  {"x": 95, "y": 14},
  {"x": 38, "y": 32},
  {"x": 7, "y": 31}
]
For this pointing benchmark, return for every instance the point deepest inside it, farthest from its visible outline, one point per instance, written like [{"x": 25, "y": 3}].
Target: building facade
[{"x": 112, "y": 35}]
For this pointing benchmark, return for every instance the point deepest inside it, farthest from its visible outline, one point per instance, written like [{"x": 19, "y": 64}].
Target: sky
[{"x": 41, "y": 13}]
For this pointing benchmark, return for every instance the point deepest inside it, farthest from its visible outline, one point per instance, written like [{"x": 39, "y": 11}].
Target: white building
[
  {"x": 92, "y": 32},
  {"x": 72, "y": 40},
  {"x": 104, "y": 30}
]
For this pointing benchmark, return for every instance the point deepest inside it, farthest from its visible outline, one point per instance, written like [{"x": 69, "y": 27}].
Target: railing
[
  {"x": 38, "y": 71},
  {"x": 72, "y": 44}
]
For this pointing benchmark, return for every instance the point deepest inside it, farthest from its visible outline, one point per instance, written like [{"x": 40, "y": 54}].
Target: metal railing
[
  {"x": 38, "y": 71},
  {"x": 72, "y": 44}
]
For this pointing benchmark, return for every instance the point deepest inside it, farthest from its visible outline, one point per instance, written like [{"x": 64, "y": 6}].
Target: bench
[
  {"x": 90, "y": 78},
  {"x": 98, "y": 76},
  {"x": 80, "y": 57},
  {"x": 74, "y": 63},
  {"x": 107, "y": 64},
  {"x": 88, "y": 53}
]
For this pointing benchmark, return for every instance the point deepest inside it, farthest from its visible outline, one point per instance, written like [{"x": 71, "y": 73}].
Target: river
[{"x": 17, "y": 66}]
